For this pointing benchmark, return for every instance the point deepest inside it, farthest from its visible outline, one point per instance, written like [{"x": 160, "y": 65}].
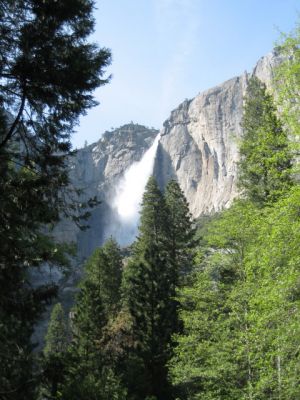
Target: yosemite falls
[
  {"x": 198, "y": 147},
  {"x": 127, "y": 199}
]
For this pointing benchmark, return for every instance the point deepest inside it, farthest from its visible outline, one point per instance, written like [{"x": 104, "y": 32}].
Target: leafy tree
[
  {"x": 240, "y": 315},
  {"x": 265, "y": 166},
  {"x": 48, "y": 71},
  {"x": 287, "y": 81},
  {"x": 211, "y": 358},
  {"x": 275, "y": 304}
]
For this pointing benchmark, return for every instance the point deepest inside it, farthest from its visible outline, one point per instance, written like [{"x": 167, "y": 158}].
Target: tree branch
[{"x": 15, "y": 123}]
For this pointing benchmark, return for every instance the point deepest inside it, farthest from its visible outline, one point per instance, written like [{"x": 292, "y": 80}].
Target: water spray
[{"x": 128, "y": 196}]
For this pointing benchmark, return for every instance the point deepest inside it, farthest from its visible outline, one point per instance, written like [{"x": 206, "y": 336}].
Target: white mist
[{"x": 128, "y": 197}]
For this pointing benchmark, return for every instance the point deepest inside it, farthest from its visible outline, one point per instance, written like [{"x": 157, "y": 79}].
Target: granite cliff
[
  {"x": 198, "y": 147},
  {"x": 199, "y": 144},
  {"x": 97, "y": 169}
]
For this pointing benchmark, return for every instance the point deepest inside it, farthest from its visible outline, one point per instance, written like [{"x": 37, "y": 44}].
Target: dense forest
[{"x": 193, "y": 309}]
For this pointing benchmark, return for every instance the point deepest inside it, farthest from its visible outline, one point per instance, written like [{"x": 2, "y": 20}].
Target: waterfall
[{"x": 128, "y": 197}]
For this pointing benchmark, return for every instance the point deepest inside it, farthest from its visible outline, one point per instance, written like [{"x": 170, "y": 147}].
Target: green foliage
[
  {"x": 152, "y": 229},
  {"x": 146, "y": 287},
  {"x": 162, "y": 258},
  {"x": 93, "y": 386},
  {"x": 204, "y": 356},
  {"x": 89, "y": 318},
  {"x": 241, "y": 313},
  {"x": 57, "y": 336},
  {"x": 287, "y": 81},
  {"x": 48, "y": 71},
  {"x": 104, "y": 268},
  {"x": 180, "y": 230},
  {"x": 55, "y": 353},
  {"x": 89, "y": 369},
  {"x": 265, "y": 166}
]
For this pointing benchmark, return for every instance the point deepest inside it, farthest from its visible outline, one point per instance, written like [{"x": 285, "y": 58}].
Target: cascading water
[{"x": 128, "y": 196}]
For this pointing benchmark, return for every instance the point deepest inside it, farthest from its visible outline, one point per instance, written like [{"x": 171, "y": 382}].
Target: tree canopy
[
  {"x": 266, "y": 160},
  {"x": 48, "y": 72}
]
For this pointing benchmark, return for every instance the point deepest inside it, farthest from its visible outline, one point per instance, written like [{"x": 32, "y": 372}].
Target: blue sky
[{"x": 167, "y": 50}]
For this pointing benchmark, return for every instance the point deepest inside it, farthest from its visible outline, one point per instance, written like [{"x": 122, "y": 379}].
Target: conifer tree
[
  {"x": 90, "y": 374},
  {"x": 55, "y": 352},
  {"x": 57, "y": 337},
  {"x": 48, "y": 72},
  {"x": 180, "y": 230},
  {"x": 147, "y": 286},
  {"x": 104, "y": 268},
  {"x": 265, "y": 166}
]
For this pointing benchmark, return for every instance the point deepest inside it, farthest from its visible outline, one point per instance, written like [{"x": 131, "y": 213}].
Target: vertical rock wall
[{"x": 199, "y": 144}]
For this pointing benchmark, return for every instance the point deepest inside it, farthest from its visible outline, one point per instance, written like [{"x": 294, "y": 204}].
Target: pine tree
[
  {"x": 148, "y": 288},
  {"x": 180, "y": 230},
  {"x": 104, "y": 268},
  {"x": 48, "y": 71},
  {"x": 57, "y": 337},
  {"x": 265, "y": 166},
  {"x": 153, "y": 227},
  {"x": 55, "y": 352},
  {"x": 91, "y": 312},
  {"x": 90, "y": 373}
]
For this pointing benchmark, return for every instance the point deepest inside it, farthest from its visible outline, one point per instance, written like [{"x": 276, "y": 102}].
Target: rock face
[
  {"x": 198, "y": 147},
  {"x": 199, "y": 144},
  {"x": 96, "y": 169}
]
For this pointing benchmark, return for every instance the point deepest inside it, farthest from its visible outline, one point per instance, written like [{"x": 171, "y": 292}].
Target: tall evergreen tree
[
  {"x": 57, "y": 337},
  {"x": 98, "y": 298},
  {"x": 90, "y": 373},
  {"x": 48, "y": 71},
  {"x": 55, "y": 353},
  {"x": 104, "y": 268},
  {"x": 147, "y": 287},
  {"x": 180, "y": 230},
  {"x": 265, "y": 166}
]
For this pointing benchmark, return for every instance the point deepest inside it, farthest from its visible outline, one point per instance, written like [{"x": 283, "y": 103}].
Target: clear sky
[{"x": 167, "y": 50}]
